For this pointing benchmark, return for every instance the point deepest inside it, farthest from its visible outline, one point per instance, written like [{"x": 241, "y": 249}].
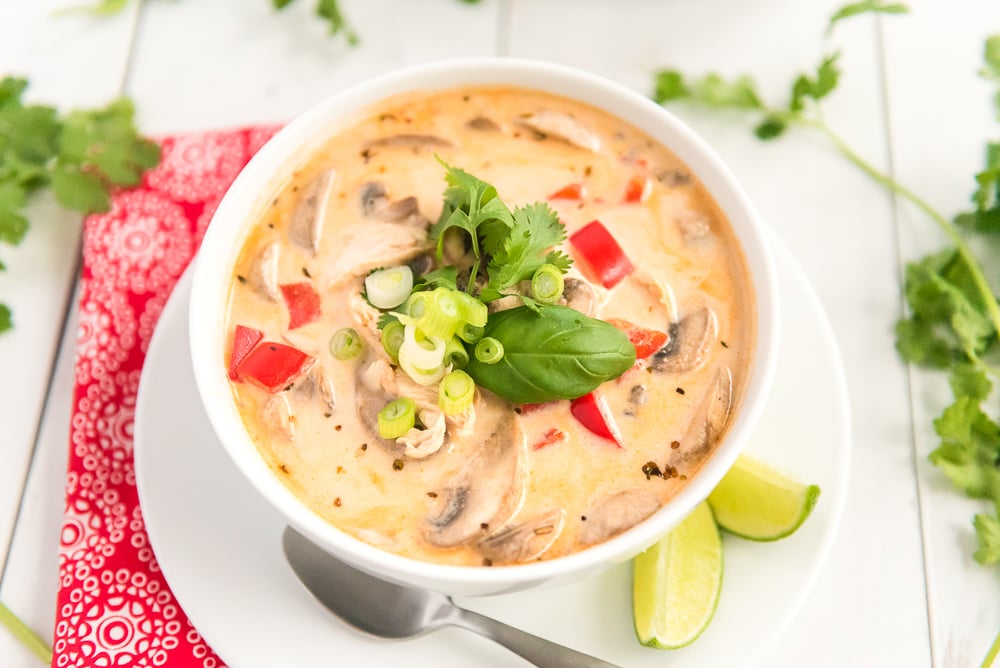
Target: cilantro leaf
[
  {"x": 5, "y": 318},
  {"x": 856, "y": 8},
  {"x": 991, "y": 57},
  {"x": 105, "y": 140},
  {"x": 770, "y": 128},
  {"x": 535, "y": 229},
  {"x": 969, "y": 449},
  {"x": 330, "y": 10},
  {"x": 13, "y": 224},
  {"x": 969, "y": 380},
  {"x": 827, "y": 76},
  {"x": 711, "y": 90},
  {"x": 79, "y": 190},
  {"x": 988, "y": 539},
  {"x": 442, "y": 277},
  {"x": 100, "y": 8},
  {"x": 11, "y": 89}
]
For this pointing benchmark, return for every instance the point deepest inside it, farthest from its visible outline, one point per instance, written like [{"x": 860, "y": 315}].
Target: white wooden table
[{"x": 900, "y": 588}]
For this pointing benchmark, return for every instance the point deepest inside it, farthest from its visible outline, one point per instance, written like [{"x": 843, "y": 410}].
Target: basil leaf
[{"x": 551, "y": 353}]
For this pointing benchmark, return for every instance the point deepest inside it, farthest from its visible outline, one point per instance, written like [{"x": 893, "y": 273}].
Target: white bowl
[{"x": 290, "y": 148}]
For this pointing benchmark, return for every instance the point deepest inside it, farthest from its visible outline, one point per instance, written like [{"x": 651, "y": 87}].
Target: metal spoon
[{"x": 390, "y": 611}]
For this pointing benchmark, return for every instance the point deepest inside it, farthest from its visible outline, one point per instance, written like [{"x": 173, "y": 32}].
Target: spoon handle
[{"x": 541, "y": 652}]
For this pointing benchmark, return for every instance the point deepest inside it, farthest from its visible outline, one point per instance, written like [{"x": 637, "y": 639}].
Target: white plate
[{"x": 218, "y": 542}]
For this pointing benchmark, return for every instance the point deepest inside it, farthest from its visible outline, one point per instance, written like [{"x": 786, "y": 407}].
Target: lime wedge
[
  {"x": 676, "y": 583},
  {"x": 758, "y": 502}
]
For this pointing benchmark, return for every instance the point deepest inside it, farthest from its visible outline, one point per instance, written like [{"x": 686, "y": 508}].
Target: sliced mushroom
[
  {"x": 694, "y": 226},
  {"x": 485, "y": 493},
  {"x": 422, "y": 264},
  {"x": 524, "y": 541},
  {"x": 504, "y": 304},
  {"x": 306, "y": 226},
  {"x": 315, "y": 384},
  {"x": 363, "y": 247},
  {"x": 410, "y": 141},
  {"x": 580, "y": 295},
  {"x": 483, "y": 123},
  {"x": 673, "y": 178},
  {"x": 373, "y": 198},
  {"x": 263, "y": 276},
  {"x": 690, "y": 340},
  {"x": 278, "y": 415},
  {"x": 404, "y": 211},
  {"x": 616, "y": 513},
  {"x": 564, "y": 127},
  {"x": 711, "y": 416}
]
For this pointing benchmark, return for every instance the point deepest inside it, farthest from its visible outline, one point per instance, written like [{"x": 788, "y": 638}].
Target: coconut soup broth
[{"x": 515, "y": 485}]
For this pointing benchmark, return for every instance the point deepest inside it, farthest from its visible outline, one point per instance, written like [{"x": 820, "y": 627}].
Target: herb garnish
[
  {"x": 81, "y": 156},
  {"x": 954, "y": 316}
]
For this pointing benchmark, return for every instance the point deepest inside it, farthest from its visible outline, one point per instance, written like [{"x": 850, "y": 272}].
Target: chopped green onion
[
  {"x": 388, "y": 288},
  {"x": 345, "y": 344},
  {"x": 397, "y": 418},
  {"x": 489, "y": 350},
  {"x": 455, "y": 353},
  {"x": 456, "y": 392},
  {"x": 443, "y": 313},
  {"x": 470, "y": 333},
  {"x": 547, "y": 284},
  {"x": 425, "y": 377},
  {"x": 417, "y": 304},
  {"x": 424, "y": 352},
  {"x": 474, "y": 311},
  {"x": 392, "y": 339}
]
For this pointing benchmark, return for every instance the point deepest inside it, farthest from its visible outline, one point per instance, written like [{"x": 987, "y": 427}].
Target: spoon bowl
[{"x": 388, "y": 610}]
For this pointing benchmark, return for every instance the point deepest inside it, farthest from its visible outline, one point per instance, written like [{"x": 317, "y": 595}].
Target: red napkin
[{"x": 114, "y": 607}]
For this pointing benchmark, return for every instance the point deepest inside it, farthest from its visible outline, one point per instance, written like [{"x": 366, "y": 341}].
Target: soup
[{"x": 604, "y": 377}]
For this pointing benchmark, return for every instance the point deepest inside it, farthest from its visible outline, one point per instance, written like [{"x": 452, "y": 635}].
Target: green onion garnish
[
  {"x": 474, "y": 312},
  {"x": 388, "y": 288},
  {"x": 397, "y": 418},
  {"x": 417, "y": 304},
  {"x": 456, "y": 392},
  {"x": 470, "y": 333},
  {"x": 392, "y": 339},
  {"x": 489, "y": 350},
  {"x": 455, "y": 353},
  {"x": 547, "y": 284},
  {"x": 442, "y": 313},
  {"x": 345, "y": 344}
]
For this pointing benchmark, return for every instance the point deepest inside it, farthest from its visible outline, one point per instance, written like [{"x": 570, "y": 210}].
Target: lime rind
[
  {"x": 758, "y": 502},
  {"x": 677, "y": 583}
]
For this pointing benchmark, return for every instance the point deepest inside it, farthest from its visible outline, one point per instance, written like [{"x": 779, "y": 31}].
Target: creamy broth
[{"x": 329, "y": 225}]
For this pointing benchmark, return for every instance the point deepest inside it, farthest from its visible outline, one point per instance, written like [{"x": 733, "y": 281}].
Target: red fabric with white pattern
[{"x": 114, "y": 607}]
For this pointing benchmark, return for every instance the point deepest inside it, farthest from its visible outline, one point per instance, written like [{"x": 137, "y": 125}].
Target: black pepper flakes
[
  {"x": 484, "y": 526},
  {"x": 397, "y": 465},
  {"x": 650, "y": 469},
  {"x": 270, "y": 226},
  {"x": 674, "y": 445},
  {"x": 583, "y": 518},
  {"x": 724, "y": 344},
  {"x": 241, "y": 279},
  {"x": 284, "y": 469},
  {"x": 588, "y": 170},
  {"x": 337, "y": 502},
  {"x": 305, "y": 272},
  {"x": 338, "y": 427},
  {"x": 487, "y": 562},
  {"x": 327, "y": 415},
  {"x": 680, "y": 390},
  {"x": 364, "y": 446},
  {"x": 433, "y": 495}
]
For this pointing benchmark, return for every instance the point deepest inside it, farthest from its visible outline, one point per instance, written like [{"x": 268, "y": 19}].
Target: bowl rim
[{"x": 290, "y": 146}]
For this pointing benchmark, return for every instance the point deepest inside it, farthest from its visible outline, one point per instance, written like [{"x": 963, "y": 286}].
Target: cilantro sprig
[
  {"x": 953, "y": 321},
  {"x": 513, "y": 243},
  {"x": 80, "y": 156}
]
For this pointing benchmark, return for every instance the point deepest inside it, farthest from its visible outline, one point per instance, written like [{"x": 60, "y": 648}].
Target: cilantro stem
[
  {"x": 992, "y": 654},
  {"x": 975, "y": 270},
  {"x": 25, "y": 635}
]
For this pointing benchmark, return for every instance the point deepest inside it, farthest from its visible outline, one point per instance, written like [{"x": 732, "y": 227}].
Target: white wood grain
[
  {"x": 941, "y": 116},
  {"x": 239, "y": 63},
  {"x": 72, "y": 61},
  {"x": 840, "y": 227}
]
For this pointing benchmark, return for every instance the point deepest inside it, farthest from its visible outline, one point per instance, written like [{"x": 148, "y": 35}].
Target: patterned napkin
[{"x": 114, "y": 607}]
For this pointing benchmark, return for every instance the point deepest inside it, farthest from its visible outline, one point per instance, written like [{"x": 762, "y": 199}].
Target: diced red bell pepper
[
  {"x": 593, "y": 413},
  {"x": 302, "y": 301},
  {"x": 548, "y": 438},
  {"x": 601, "y": 253},
  {"x": 531, "y": 408},
  {"x": 573, "y": 191},
  {"x": 636, "y": 190},
  {"x": 646, "y": 341},
  {"x": 244, "y": 339},
  {"x": 273, "y": 365}
]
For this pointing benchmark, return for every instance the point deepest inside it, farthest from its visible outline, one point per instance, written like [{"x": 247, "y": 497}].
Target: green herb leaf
[
  {"x": 106, "y": 141},
  {"x": 669, "y": 85},
  {"x": 281, "y": 4},
  {"x": 535, "y": 229},
  {"x": 988, "y": 538},
  {"x": 970, "y": 447},
  {"x": 857, "y": 8},
  {"x": 969, "y": 380},
  {"x": 442, "y": 277},
  {"x": 770, "y": 128},
  {"x": 101, "y": 8},
  {"x": 552, "y": 353},
  {"x": 330, "y": 10},
  {"x": 711, "y": 90},
  {"x": 13, "y": 224},
  {"x": 79, "y": 190},
  {"x": 818, "y": 87},
  {"x": 991, "y": 57},
  {"x": 5, "y": 318}
]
